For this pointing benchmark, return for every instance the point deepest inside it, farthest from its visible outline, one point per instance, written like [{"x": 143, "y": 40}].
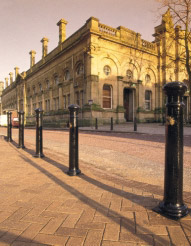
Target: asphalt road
[{"x": 132, "y": 156}]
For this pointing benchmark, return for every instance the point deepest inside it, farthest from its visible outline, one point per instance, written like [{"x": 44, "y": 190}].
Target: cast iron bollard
[
  {"x": 21, "y": 130},
  {"x": 135, "y": 124},
  {"x": 9, "y": 126},
  {"x": 39, "y": 140},
  {"x": 73, "y": 144},
  {"x": 96, "y": 124},
  {"x": 111, "y": 123},
  {"x": 172, "y": 205}
]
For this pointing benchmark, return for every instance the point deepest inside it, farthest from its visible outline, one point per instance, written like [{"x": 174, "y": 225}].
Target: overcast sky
[{"x": 23, "y": 23}]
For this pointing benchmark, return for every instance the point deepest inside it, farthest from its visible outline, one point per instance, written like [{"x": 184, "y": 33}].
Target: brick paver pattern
[{"x": 41, "y": 205}]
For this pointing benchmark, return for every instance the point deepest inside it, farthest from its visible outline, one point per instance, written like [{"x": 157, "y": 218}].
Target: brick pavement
[{"x": 41, "y": 205}]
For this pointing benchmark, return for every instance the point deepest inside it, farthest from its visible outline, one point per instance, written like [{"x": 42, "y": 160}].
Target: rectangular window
[
  {"x": 68, "y": 99},
  {"x": 77, "y": 98},
  {"x": 64, "y": 102},
  {"x": 107, "y": 96},
  {"x": 148, "y": 96},
  {"x": 82, "y": 98}
]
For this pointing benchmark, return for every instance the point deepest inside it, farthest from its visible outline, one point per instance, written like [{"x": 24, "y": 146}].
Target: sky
[{"x": 23, "y": 23}]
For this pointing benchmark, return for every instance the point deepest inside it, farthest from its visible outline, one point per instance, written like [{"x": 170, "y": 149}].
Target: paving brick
[
  {"x": 111, "y": 232},
  {"x": 74, "y": 241},
  {"x": 5, "y": 215},
  {"x": 9, "y": 237},
  {"x": 91, "y": 225},
  {"x": 116, "y": 205},
  {"x": 141, "y": 218},
  {"x": 87, "y": 216},
  {"x": 111, "y": 243},
  {"x": 19, "y": 243},
  {"x": 93, "y": 238},
  {"x": 157, "y": 230},
  {"x": 162, "y": 240},
  {"x": 71, "y": 220},
  {"x": 186, "y": 224},
  {"x": 36, "y": 219},
  {"x": 135, "y": 238},
  {"x": 10, "y": 224},
  {"x": 19, "y": 214},
  {"x": 106, "y": 219},
  {"x": 127, "y": 225},
  {"x": 51, "y": 239},
  {"x": 73, "y": 232},
  {"x": 177, "y": 236},
  {"x": 51, "y": 214},
  {"x": 52, "y": 226},
  {"x": 30, "y": 232}
]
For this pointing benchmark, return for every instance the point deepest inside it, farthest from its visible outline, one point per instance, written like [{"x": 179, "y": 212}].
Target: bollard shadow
[
  {"x": 9, "y": 238},
  {"x": 116, "y": 217}
]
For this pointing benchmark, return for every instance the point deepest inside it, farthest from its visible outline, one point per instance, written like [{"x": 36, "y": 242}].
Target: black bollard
[
  {"x": 172, "y": 205},
  {"x": 111, "y": 123},
  {"x": 135, "y": 124},
  {"x": 73, "y": 141},
  {"x": 9, "y": 126},
  {"x": 39, "y": 139},
  {"x": 96, "y": 124},
  {"x": 21, "y": 129}
]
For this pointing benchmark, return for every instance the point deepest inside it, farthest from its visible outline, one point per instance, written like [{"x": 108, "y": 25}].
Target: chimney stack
[
  {"x": 6, "y": 82},
  {"x": 44, "y": 42},
  {"x": 11, "y": 77},
  {"x": 62, "y": 30},
  {"x": 32, "y": 58},
  {"x": 16, "y": 72}
]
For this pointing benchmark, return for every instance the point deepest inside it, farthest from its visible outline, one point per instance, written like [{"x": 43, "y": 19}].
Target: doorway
[{"x": 128, "y": 103}]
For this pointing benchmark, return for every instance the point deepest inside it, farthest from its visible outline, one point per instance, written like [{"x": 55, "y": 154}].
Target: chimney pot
[
  {"x": 62, "y": 30},
  {"x": 44, "y": 42}
]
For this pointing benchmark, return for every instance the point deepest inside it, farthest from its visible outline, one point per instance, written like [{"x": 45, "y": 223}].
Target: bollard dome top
[
  {"x": 38, "y": 110},
  {"x": 175, "y": 88},
  {"x": 73, "y": 107}
]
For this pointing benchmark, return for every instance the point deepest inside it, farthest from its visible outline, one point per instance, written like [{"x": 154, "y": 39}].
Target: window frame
[
  {"x": 148, "y": 101},
  {"x": 107, "y": 97}
]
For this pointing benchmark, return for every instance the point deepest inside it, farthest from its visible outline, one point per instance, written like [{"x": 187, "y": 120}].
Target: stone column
[
  {"x": 62, "y": 30},
  {"x": 44, "y": 42}
]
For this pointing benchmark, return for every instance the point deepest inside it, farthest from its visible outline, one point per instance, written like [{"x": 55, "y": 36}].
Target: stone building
[{"x": 117, "y": 71}]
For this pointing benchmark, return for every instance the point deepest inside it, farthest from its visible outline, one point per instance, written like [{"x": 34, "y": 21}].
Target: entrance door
[{"x": 128, "y": 104}]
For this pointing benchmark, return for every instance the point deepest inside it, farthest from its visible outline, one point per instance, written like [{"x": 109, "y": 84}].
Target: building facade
[{"x": 113, "y": 69}]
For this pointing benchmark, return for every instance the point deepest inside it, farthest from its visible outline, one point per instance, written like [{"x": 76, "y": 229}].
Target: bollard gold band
[{"x": 170, "y": 120}]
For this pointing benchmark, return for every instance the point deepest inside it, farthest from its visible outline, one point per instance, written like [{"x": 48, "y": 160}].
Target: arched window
[
  {"x": 148, "y": 100},
  {"x": 129, "y": 74},
  {"x": 107, "y": 70},
  {"x": 66, "y": 75},
  {"x": 56, "y": 79},
  {"x": 107, "y": 96},
  {"x": 147, "y": 78},
  {"x": 47, "y": 84},
  {"x": 79, "y": 69},
  {"x": 40, "y": 87}
]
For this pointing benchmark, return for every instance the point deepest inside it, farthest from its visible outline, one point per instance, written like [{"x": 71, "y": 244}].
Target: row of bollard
[
  {"x": 111, "y": 124},
  {"x": 172, "y": 205}
]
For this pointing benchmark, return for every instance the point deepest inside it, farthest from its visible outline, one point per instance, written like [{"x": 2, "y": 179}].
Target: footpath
[{"x": 41, "y": 205}]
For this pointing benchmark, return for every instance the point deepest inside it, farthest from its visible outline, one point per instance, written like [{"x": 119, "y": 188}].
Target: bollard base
[
  {"x": 171, "y": 211},
  {"x": 9, "y": 140},
  {"x": 40, "y": 155},
  {"x": 74, "y": 172},
  {"x": 21, "y": 147}
]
